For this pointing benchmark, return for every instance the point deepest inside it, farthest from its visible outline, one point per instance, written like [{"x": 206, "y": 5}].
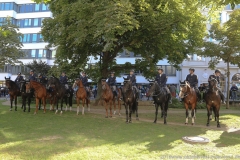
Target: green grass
[{"x": 68, "y": 136}]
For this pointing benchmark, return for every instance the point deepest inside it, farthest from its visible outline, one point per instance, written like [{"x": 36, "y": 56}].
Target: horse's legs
[
  {"x": 57, "y": 105},
  {"x": 37, "y": 103},
  {"x": 11, "y": 102},
  {"x": 110, "y": 107},
  {"x": 164, "y": 113},
  {"x": 208, "y": 114},
  {"x": 15, "y": 102},
  {"x": 130, "y": 113},
  {"x": 44, "y": 104},
  {"x": 137, "y": 111},
  {"x": 66, "y": 103},
  {"x": 217, "y": 115},
  {"x": 114, "y": 104},
  {"x": 78, "y": 101},
  {"x": 106, "y": 108},
  {"x": 61, "y": 105},
  {"x": 193, "y": 114},
  {"x": 156, "y": 112},
  {"x": 210, "y": 117},
  {"x": 24, "y": 103},
  {"x": 126, "y": 108},
  {"x": 29, "y": 102},
  {"x": 83, "y": 102},
  {"x": 88, "y": 104},
  {"x": 40, "y": 104},
  {"x": 119, "y": 107},
  {"x": 186, "y": 107}
]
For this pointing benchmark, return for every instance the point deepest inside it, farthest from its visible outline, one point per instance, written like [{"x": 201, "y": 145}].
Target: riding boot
[
  {"x": 115, "y": 94},
  {"x": 222, "y": 96},
  {"x": 170, "y": 98}
]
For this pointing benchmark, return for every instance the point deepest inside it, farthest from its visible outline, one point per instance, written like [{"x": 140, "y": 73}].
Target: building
[{"x": 29, "y": 15}]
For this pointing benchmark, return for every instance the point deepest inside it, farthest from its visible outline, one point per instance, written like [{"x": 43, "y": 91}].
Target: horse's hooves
[
  {"x": 154, "y": 121},
  {"x": 165, "y": 122},
  {"x": 127, "y": 122},
  {"x": 130, "y": 121},
  {"x": 210, "y": 119},
  {"x": 207, "y": 124},
  {"x": 218, "y": 126},
  {"x": 110, "y": 116},
  {"x": 106, "y": 116},
  {"x": 186, "y": 123},
  {"x": 192, "y": 124},
  {"x": 35, "y": 113},
  {"x": 137, "y": 119},
  {"x": 10, "y": 110}
]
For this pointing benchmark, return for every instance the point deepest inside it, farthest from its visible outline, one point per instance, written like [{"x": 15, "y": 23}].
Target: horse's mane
[
  {"x": 36, "y": 83},
  {"x": 11, "y": 82}
]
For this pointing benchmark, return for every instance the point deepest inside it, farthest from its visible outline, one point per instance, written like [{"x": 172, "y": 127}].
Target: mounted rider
[
  {"x": 18, "y": 79},
  {"x": 161, "y": 79},
  {"x": 112, "y": 83},
  {"x": 32, "y": 76},
  {"x": 64, "y": 80},
  {"x": 84, "y": 80},
  {"x": 42, "y": 79},
  {"x": 193, "y": 81},
  {"x": 217, "y": 77},
  {"x": 133, "y": 79}
]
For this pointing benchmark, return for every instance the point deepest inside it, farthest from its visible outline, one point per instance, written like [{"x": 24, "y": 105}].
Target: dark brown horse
[
  {"x": 40, "y": 93},
  {"x": 26, "y": 97},
  {"x": 81, "y": 95},
  {"x": 190, "y": 100},
  {"x": 107, "y": 97},
  {"x": 129, "y": 98},
  {"x": 213, "y": 101},
  {"x": 13, "y": 91},
  {"x": 161, "y": 98}
]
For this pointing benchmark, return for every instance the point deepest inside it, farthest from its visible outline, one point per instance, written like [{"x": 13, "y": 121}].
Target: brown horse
[
  {"x": 116, "y": 98},
  {"x": 107, "y": 97},
  {"x": 40, "y": 93},
  {"x": 81, "y": 95},
  {"x": 213, "y": 101},
  {"x": 51, "y": 96},
  {"x": 190, "y": 100},
  {"x": 13, "y": 90}
]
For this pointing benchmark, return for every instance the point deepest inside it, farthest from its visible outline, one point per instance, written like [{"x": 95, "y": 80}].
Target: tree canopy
[
  {"x": 38, "y": 67},
  {"x": 10, "y": 43},
  {"x": 153, "y": 29},
  {"x": 226, "y": 46}
]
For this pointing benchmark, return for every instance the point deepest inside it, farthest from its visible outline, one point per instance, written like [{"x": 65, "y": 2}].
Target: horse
[
  {"x": 61, "y": 92},
  {"x": 13, "y": 91},
  {"x": 116, "y": 97},
  {"x": 130, "y": 100},
  {"x": 107, "y": 97},
  {"x": 81, "y": 94},
  {"x": 25, "y": 95},
  {"x": 190, "y": 100},
  {"x": 40, "y": 93},
  {"x": 161, "y": 98},
  {"x": 213, "y": 101}
]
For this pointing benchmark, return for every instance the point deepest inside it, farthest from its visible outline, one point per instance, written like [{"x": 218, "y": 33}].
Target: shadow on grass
[{"x": 44, "y": 136}]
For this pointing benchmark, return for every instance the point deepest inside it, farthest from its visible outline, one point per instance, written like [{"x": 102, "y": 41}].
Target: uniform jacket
[
  {"x": 161, "y": 80},
  {"x": 111, "y": 81},
  {"x": 32, "y": 77},
  {"x": 192, "y": 79},
  {"x": 43, "y": 80},
  {"x": 19, "y": 79},
  {"x": 84, "y": 80},
  {"x": 234, "y": 88},
  {"x": 132, "y": 78},
  {"x": 63, "y": 79}
]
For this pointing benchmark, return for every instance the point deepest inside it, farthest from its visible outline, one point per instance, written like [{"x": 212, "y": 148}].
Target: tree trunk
[
  {"x": 104, "y": 73},
  {"x": 228, "y": 84}
]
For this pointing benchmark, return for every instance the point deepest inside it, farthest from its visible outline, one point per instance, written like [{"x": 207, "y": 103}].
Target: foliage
[
  {"x": 10, "y": 43},
  {"x": 101, "y": 29},
  {"x": 38, "y": 67}
]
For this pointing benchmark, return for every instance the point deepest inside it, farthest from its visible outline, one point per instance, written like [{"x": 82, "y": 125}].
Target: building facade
[{"x": 28, "y": 16}]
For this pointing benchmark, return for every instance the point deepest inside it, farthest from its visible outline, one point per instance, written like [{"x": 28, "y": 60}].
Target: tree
[
  {"x": 10, "y": 43},
  {"x": 227, "y": 45},
  {"x": 38, "y": 67}
]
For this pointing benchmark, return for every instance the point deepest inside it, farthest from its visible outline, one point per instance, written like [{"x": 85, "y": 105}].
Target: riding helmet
[
  {"x": 39, "y": 74},
  {"x": 192, "y": 69},
  {"x": 218, "y": 71},
  {"x": 112, "y": 72},
  {"x": 160, "y": 69},
  {"x": 31, "y": 70},
  {"x": 83, "y": 72},
  {"x": 132, "y": 70},
  {"x": 19, "y": 73}
]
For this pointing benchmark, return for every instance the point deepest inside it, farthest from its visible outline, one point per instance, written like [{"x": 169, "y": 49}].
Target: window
[
  {"x": 40, "y": 53},
  {"x": 26, "y": 38},
  {"x": 35, "y": 22},
  {"x": 33, "y": 53},
  {"x": 27, "y": 22},
  {"x": 37, "y": 7},
  {"x": 34, "y": 37},
  {"x": 7, "y": 6},
  {"x": 21, "y": 8},
  {"x": 44, "y": 7},
  {"x": 40, "y": 38},
  {"x": 44, "y": 53}
]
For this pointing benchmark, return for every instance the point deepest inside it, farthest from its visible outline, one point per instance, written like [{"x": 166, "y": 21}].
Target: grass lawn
[{"x": 91, "y": 136}]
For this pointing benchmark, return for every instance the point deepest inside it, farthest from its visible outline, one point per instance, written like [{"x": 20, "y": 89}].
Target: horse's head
[
  {"x": 183, "y": 89},
  {"x": 28, "y": 87},
  {"x": 104, "y": 84},
  {"x": 154, "y": 88},
  {"x": 127, "y": 84},
  {"x": 52, "y": 81},
  {"x": 212, "y": 83},
  {"x": 79, "y": 83},
  {"x": 22, "y": 86}
]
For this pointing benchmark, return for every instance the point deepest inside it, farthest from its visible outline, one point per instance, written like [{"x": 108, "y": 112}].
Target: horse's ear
[{"x": 5, "y": 77}]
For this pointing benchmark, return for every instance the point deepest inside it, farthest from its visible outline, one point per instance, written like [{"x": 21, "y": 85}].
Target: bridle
[
  {"x": 214, "y": 85},
  {"x": 157, "y": 89}
]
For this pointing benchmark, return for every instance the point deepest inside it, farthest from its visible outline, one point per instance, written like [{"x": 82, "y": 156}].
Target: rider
[
  {"x": 18, "y": 79},
  {"x": 193, "y": 81},
  {"x": 64, "y": 80},
  {"x": 42, "y": 79},
  {"x": 217, "y": 77},
  {"x": 132, "y": 78},
  {"x": 112, "y": 82},
  {"x": 84, "y": 80},
  {"x": 161, "y": 79},
  {"x": 32, "y": 76}
]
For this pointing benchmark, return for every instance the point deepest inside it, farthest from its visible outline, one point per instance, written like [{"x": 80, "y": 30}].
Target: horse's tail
[{"x": 134, "y": 107}]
